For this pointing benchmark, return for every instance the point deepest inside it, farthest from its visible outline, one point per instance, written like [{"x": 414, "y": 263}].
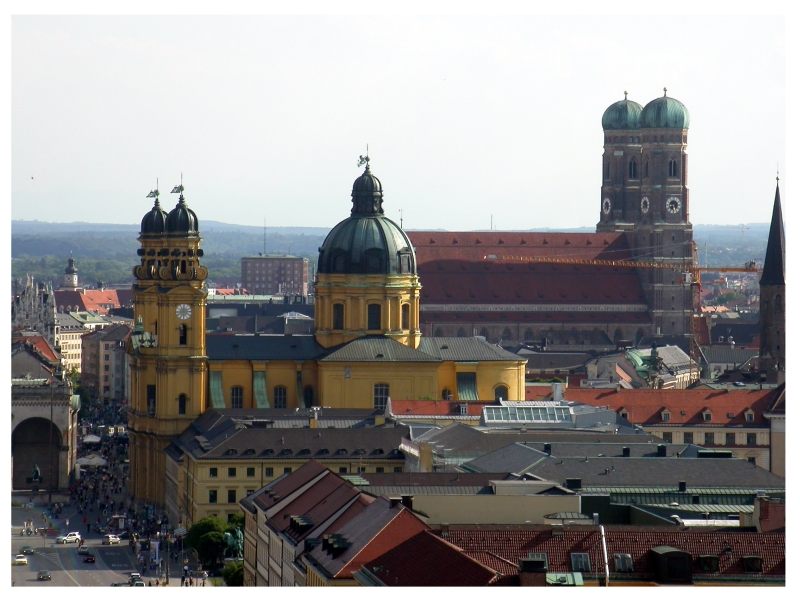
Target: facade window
[
  {"x": 688, "y": 437},
  {"x": 730, "y": 439},
  {"x": 751, "y": 439},
  {"x": 232, "y": 472},
  {"x": 623, "y": 563},
  {"x": 632, "y": 169},
  {"x": 501, "y": 392},
  {"x": 182, "y": 404},
  {"x": 269, "y": 472},
  {"x": 212, "y": 496},
  {"x": 237, "y": 396},
  {"x": 580, "y": 562},
  {"x": 182, "y": 335},
  {"x": 405, "y": 316},
  {"x": 287, "y": 470},
  {"x": 212, "y": 472},
  {"x": 231, "y": 496},
  {"x": 647, "y": 168},
  {"x": 709, "y": 439},
  {"x": 338, "y": 316},
  {"x": 380, "y": 396},
  {"x": 379, "y": 469},
  {"x": 374, "y": 316},
  {"x": 673, "y": 168},
  {"x": 279, "y": 394},
  {"x": 251, "y": 471},
  {"x": 362, "y": 469},
  {"x": 342, "y": 470},
  {"x": 151, "y": 400},
  {"x": 667, "y": 436}
]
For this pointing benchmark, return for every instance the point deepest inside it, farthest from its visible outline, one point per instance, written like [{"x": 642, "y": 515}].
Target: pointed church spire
[{"x": 774, "y": 259}]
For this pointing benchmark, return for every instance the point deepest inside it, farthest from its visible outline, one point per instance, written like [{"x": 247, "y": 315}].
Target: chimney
[
  {"x": 681, "y": 486},
  {"x": 558, "y": 392},
  {"x": 662, "y": 450},
  {"x": 626, "y": 452},
  {"x": 407, "y": 501},
  {"x": 573, "y": 483},
  {"x": 548, "y": 448},
  {"x": 533, "y": 571}
]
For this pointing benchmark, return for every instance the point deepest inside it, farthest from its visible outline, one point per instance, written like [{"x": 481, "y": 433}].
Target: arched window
[
  {"x": 507, "y": 335},
  {"x": 338, "y": 316},
  {"x": 380, "y": 396},
  {"x": 308, "y": 396},
  {"x": 606, "y": 169},
  {"x": 461, "y": 332},
  {"x": 279, "y": 394},
  {"x": 778, "y": 306},
  {"x": 438, "y": 332},
  {"x": 182, "y": 404},
  {"x": 673, "y": 168},
  {"x": 374, "y": 316},
  {"x": 405, "y": 316},
  {"x": 632, "y": 169},
  {"x": 529, "y": 335},
  {"x": 237, "y": 397},
  {"x": 182, "y": 335},
  {"x": 501, "y": 392},
  {"x": 484, "y": 333}
]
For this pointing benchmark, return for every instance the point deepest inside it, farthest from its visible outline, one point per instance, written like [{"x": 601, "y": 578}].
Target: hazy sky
[{"x": 468, "y": 118}]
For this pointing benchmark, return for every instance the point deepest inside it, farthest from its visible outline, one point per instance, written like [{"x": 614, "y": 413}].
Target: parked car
[
  {"x": 43, "y": 576},
  {"x": 26, "y": 550},
  {"x": 138, "y": 583},
  {"x": 111, "y": 538},
  {"x": 84, "y": 550},
  {"x": 73, "y": 537},
  {"x": 20, "y": 559},
  {"x": 89, "y": 558}
]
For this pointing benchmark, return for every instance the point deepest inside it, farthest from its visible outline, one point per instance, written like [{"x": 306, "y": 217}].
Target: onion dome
[
  {"x": 367, "y": 242},
  {"x": 622, "y": 115},
  {"x": 154, "y": 222},
  {"x": 665, "y": 113},
  {"x": 71, "y": 270},
  {"x": 181, "y": 219}
]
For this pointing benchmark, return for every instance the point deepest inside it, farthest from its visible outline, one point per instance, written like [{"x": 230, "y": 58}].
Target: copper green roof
[
  {"x": 622, "y": 115},
  {"x": 664, "y": 112}
]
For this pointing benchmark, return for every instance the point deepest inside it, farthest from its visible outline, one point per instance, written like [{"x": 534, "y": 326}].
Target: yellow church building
[{"x": 367, "y": 346}]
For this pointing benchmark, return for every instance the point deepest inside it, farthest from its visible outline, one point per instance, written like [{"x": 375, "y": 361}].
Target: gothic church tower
[{"x": 772, "y": 313}]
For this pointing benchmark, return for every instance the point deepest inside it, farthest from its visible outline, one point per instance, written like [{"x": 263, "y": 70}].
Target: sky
[{"x": 472, "y": 121}]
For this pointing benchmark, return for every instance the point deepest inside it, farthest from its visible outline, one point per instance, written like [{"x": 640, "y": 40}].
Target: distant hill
[{"x": 107, "y": 252}]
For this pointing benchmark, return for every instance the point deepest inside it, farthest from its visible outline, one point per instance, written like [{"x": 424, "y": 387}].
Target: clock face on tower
[
  {"x": 673, "y": 205},
  {"x": 606, "y": 206},
  {"x": 645, "y": 204},
  {"x": 183, "y": 311}
]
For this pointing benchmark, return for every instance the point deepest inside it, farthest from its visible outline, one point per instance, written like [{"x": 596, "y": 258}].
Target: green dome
[
  {"x": 665, "y": 113},
  {"x": 367, "y": 242},
  {"x": 622, "y": 115}
]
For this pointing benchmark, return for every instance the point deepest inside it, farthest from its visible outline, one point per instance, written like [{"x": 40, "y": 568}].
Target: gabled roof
[
  {"x": 220, "y": 346},
  {"x": 38, "y": 345},
  {"x": 282, "y": 488},
  {"x": 644, "y": 406},
  {"x": 465, "y": 349},
  {"x": 648, "y": 472},
  {"x": 428, "y": 560},
  {"x": 379, "y": 527},
  {"x": 506, "y": 546},
  {"x": 376, "y": 349},
  {"x": 98, "y": 301},
  {"x": 458, "y": 267}
]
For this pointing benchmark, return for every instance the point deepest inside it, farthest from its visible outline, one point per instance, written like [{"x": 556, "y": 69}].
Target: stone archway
[{"x": 36, "y": 442}]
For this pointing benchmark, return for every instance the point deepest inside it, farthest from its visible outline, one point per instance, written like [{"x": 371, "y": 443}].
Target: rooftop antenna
[
  {"x": 401, "y": 218},
  {"x": 491, "y": 222}
]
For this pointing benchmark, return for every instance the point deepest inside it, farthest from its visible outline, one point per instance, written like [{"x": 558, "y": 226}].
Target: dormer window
[
  {"x": 665, "y": 416},
  {"x": 749, "y": 416},
  {"x": 706, "y": 415},
  {"x": 623, "y": 414}
]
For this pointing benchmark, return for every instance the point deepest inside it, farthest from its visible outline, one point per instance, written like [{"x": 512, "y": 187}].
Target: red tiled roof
[
  {"x": 644, "y": 406},
  {"x": 96, "y": 301},
  {"x": 548, "y": 317},
  {"x": 511, "y": 545},
  {"x": 282, "y": 488},
  {"x": 436, "y": 408},
  {"x": 427, "y": 560},
  {"x": 39, "y": 344},
  {"x": 453, "y": 268}
]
